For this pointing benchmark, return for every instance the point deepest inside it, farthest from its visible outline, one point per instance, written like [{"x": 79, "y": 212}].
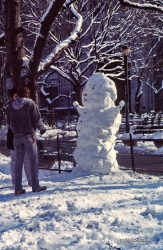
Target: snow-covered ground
[{"x": 82, "y": 212}]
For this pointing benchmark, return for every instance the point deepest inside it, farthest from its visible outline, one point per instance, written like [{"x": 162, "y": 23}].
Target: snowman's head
[{"x": 99, "y": 92}]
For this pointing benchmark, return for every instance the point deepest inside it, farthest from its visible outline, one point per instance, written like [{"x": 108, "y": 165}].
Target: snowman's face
[{"x": 98, "y": 93}]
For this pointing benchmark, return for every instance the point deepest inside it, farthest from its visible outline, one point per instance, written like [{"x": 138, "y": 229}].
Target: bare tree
[
  {"x": 93, "y": 50},
  {"x": 155, "y": 5},
  {"x": 106, "y": 27},
  {"x": 153, "y": 9},
  {"x": 21, "y": 69},
  {"x": 96, "y": 47}
]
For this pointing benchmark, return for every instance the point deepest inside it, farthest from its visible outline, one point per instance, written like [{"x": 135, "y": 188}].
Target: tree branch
[
  {"x": 60, "y": 47},
  {"x": 46, "y": 22},
  {"x": 144, "y": 6}
]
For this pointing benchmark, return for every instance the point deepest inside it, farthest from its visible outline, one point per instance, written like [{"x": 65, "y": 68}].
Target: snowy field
[{"x": 82, "y": 212}]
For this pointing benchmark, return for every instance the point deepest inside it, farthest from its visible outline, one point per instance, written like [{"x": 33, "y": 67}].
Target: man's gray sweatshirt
[{"x": 23, "y": 117}]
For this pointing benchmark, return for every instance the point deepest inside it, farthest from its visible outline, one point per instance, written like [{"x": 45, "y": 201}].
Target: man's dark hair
[
  {"x": 24, "y": 92},
  {"x": 12, "y": 91}
]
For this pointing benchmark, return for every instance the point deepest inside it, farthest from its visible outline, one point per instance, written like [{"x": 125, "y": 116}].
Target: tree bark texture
[
  {"x": 40, "y": 44},
  {"x": 78, "y": 90},
  {"x": 14, "y": 43},
  {"x": 14, "y": 39}
]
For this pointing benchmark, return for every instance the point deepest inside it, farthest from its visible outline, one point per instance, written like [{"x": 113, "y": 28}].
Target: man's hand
[{"x": 42, "y": 131}]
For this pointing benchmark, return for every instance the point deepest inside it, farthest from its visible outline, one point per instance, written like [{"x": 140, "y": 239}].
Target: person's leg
[
  {"x": 12, "y": 167},
  {"x": 19, "y": 154},
  {"x": 31, "y": 149},
  {"x": 27, "y": 169}
]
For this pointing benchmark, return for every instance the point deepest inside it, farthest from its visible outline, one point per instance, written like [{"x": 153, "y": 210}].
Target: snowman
[{"x": 97, "y": 125}]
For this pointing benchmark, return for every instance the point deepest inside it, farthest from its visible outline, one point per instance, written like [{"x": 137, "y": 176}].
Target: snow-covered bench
[
  {"x": 147, "y": 129},
  {"x": 153, "y": 133},
  {"x": 60, "y": 149},
  {"x": 151, "y": 129}
]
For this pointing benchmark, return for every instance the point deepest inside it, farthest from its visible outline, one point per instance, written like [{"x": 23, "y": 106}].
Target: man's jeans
[
  {"x": 22, "y": 144},
  {"x": 26, "y": 167}
]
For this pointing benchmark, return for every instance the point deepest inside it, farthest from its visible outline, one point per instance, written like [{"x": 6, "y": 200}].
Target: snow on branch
[
  {"x": 41, "y": 38},
  {"x": 87, "y": 66},
  {"x": 2, "y": 35},
  {"x": 53, "y": 56},
  {"x": 43, "y": 91},
  {"x": 140, "y": 93},
  {"x": 145, "y": 6},
  {"x": 68, "y": 2},
  {"x": 113, "y": 75},
  {"x": 154, "y": 46},
  {"x": 63, "y": 74},
  {"x": 65, "y": 96},
  {"x": 2, "y": 40},
  {"x": 44, "y": 78},
  {"x": 156, "y": 91}
]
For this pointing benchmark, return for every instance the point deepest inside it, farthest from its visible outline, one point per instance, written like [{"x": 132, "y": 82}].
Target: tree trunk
[
  {"x": 32, "y": 84},
  {"x": 14, "y": 43},
  {"x": 78, "y": 90},
  {"x": 138, "y": 95},
  {"x": 14, "y": 40},
  {"x": 40, "y": 44}
]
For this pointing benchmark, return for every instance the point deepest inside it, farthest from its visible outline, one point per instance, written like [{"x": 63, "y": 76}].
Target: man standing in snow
[
  {"x": 23, "y": 117},
  {"x": 10, "y": 137}
]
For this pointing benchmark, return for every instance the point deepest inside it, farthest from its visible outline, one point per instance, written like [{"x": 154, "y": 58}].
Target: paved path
[{"x": 151, "y": 164}]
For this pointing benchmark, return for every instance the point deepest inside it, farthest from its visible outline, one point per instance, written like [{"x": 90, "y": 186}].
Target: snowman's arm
[
  {"x": 80, "y": 109},
  {"x": 121, "y": 104}
]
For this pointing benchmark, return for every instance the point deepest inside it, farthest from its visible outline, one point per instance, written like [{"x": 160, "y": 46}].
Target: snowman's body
[{"x": 98, "y": 123}]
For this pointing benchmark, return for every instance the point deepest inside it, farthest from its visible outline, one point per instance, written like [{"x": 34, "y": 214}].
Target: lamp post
[{"x": 125, "y": 52}]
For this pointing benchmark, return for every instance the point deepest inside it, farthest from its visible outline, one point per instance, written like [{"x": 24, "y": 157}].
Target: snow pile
[
  {"x": 98, "y": 123},
  {"x": 81, "y": 212}
]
